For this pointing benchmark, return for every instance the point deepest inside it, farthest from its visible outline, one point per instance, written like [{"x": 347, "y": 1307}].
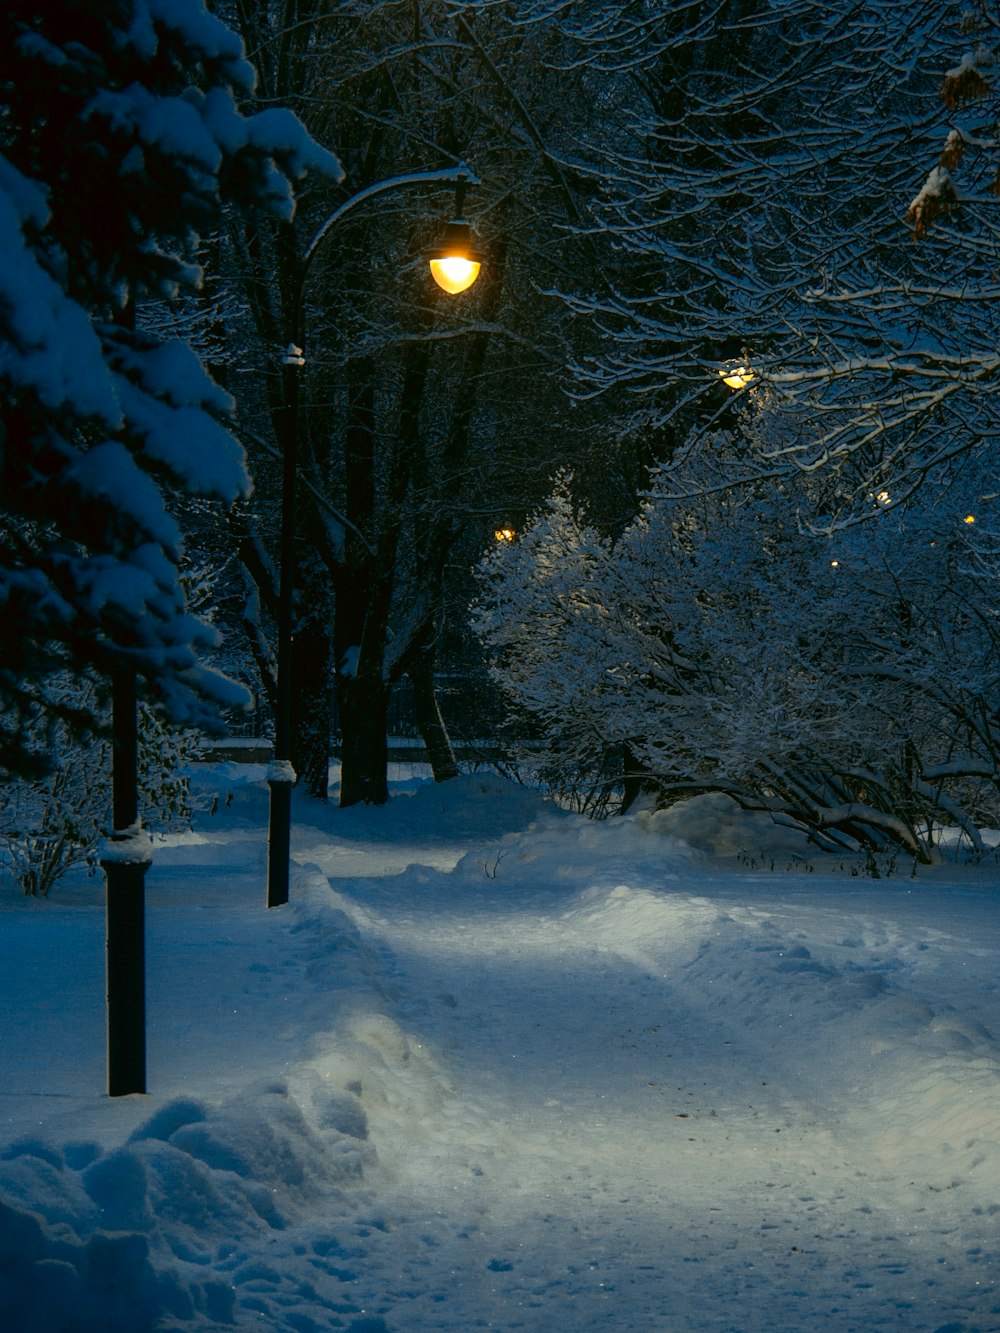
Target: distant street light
[
  {"x": 736, "y": 377},
  {"x": 455, "y": 265}
]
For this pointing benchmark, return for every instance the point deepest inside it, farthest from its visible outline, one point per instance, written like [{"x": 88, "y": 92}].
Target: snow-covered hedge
[{"x": 847, "y": 681}]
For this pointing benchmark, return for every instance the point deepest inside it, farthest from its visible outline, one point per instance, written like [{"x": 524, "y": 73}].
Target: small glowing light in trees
[
  {"x": 969, "y": 518},
  {"x": 736, "y": 377},
  {"x": 834, "y": 564},
  {"x": 883, "y": 498},
  {"x": 505, "y": 534}
]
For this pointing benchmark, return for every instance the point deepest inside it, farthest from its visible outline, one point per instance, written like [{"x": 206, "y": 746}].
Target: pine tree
[{"x": 120, "y": 146}]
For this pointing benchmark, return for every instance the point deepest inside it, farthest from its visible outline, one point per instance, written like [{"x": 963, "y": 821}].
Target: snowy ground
[{"x": 496, "y": 1067}]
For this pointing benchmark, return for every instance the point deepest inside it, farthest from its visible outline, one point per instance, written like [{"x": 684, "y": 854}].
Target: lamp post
[
  {"x": 455, "y": 266},
  {"x": 125, "y": 856}
]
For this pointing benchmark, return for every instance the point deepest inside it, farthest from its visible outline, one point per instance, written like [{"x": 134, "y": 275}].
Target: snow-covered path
[
  {"x": 611, "y": 1143},
  {"x": 498, "y": 1068},
  {"x": 634, "y": 1107}
]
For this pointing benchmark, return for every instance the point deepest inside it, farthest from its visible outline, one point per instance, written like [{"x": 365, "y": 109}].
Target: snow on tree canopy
[
  {"x": 120, "y": 146},
  {"x": 108, "y": 472},
  {"x": 170, "y": 409},
  {"x": 716, "y": 644},
  {"x": 167, "y": 125},
  {"x": 206, "y": 36},
  {"x": 48, "y": 342}
]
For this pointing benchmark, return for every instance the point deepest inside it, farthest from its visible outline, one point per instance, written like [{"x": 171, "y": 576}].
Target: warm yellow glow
[
  {"x": 883, "y": 497},
  {"x": 834, "y": 564},
  {"x": 504, "y": 534},
  {"x": 454, "y": 273},
  {"x": 969, "y": 518},
  {"x": 737, "y": 378}
]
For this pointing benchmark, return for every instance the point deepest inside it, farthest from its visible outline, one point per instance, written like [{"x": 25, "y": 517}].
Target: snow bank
[{"x": 496, "y": 1066}]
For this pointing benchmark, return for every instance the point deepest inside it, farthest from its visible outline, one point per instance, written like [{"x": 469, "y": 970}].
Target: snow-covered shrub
[
  {"x": 53, "y": 823},
  {"x": 847, "y": 681}
]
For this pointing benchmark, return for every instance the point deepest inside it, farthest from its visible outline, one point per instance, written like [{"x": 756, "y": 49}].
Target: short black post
[{"x": 125, "y": 858}]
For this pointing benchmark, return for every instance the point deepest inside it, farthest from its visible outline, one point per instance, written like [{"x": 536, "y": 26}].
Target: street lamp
[
  {"x": 736, "y": 377},
  {"x": 455, "y": 266},
  {"x": 456, "y": 262}
]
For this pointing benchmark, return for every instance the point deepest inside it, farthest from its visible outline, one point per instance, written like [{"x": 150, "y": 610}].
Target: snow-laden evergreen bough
[{"x": 121, "y": 145}]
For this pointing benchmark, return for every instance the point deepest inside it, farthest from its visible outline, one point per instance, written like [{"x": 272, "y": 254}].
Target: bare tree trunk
[
  {"x": 311, "y": 705},
  {"x": 429, "y": 719},
  {"x": 365, "y": 592},
  {"x": 364, "y": 709}
]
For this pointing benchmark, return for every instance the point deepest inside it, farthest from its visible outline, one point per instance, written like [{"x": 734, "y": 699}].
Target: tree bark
[
  {"x": 365, "y": 591},
  {"x": 635, "y": 783},
  {"x": 364, "y": 710},
  {"x": 311, "y": 704},
  {"x": 429, "y": 719}
]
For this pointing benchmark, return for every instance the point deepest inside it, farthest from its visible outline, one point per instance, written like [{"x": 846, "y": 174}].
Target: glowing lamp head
[
  {"x": 736, "y": 377},
  {"x": 505, "y": 534},
  {"x": 456, "y": 262},
  {"x": 454, "y": 273}
]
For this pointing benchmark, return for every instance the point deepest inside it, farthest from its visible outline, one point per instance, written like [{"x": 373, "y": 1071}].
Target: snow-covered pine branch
[{"x": 120, "y": 146}]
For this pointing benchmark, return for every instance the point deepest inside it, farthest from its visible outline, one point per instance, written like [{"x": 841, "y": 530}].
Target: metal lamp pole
[
  {"x": 125, "y": 857},
  {"x": 281, "y": 775}
]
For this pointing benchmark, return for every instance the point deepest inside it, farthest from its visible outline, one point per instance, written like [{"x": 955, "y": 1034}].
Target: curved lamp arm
[{"x": 459, "y": 175}]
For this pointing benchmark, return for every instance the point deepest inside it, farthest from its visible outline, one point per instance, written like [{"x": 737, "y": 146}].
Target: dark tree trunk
[
  {"x": 365, "y": 591},
  {"x": 429, "y": 719},
  {"x": 364, "y": 711},
  {"x": 311, "y": 705},
  {"x": 636, "y": 781}
]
